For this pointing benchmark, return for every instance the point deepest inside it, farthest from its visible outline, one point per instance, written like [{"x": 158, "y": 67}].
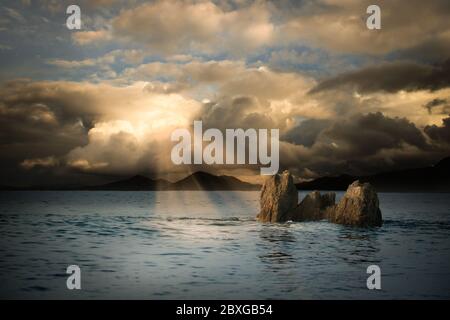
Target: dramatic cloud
[
  {"x": 92, "y": 128},
  {"x": 438, "y": 103},
  {"x": 440, "y": 133},
  {"x": 240, "y": 26},
  {"x": 239, "y": 112},
  {"x": 351, "y": 136},
  {"x": 341, "y": 25},
  {"x": 39, "y": 162},
  {"x": 116, "y": 130},
  {"x": 182, "y": 26},
  {"x": 361, "y": 144},
  {"x": 391, "y": 77},
  {"x": 81, "y": 106},
  {"x": 306, "y": 132}
]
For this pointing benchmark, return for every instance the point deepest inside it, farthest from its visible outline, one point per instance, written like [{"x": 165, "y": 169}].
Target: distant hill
[
  {"x": 428, "y": 179},
  {"x": 196, "y": 181},
  {"x": 205, "y": 181}
]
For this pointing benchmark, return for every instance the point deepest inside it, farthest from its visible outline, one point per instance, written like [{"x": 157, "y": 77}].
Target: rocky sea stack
[
  {"x": 279, "y": 197},
  {"x": 314, "y": 206},
  {"x": 279, "y": 203},
  {"x": 359, "y": 206}
]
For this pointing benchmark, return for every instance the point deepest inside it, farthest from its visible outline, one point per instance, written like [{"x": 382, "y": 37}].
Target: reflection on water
[
  {"x": 277, "y": 246},
  {"x": 204, "y": 245},
  {"x": 362, "y": 243}
]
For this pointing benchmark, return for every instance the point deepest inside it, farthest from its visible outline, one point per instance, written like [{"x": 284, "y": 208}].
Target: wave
[{"x": 417, "y": 224}]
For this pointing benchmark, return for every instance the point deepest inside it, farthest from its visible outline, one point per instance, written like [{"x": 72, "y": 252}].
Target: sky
[{"x": 91, "y": 105}]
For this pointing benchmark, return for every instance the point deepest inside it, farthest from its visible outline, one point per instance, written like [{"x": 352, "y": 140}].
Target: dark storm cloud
[
  {"x": 239, "y": 112},
  {"x": 65, "y": 101},
  {"x": 435, "y": 49},
  {"x": 36, "y": 123},
  {"x": 364, "y": 143},
  {"x": 364, "y": 135},
  {"x": 41, "y": 114},
  {"x": 438, "y": 104},
  {"x": 360, "y": 144},
  {"x": 42, "y": 122},
  {"x": 440, "y": 133},
  {"x": 391, "y": 77},
  {"x": 306, "y": 132}
]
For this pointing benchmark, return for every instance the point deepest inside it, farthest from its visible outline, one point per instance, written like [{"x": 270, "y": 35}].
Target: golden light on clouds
[{"x": 103, "y": 100}]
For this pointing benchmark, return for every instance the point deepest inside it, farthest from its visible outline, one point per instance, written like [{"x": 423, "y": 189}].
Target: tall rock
[
  {"x": 359, "y": 207},
  {"x": 279, "y": 197},
  {"x": 314, "y": 206}
]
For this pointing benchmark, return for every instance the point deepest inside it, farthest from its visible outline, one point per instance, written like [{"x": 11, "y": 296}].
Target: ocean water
[{"x": 207, "y": 245}]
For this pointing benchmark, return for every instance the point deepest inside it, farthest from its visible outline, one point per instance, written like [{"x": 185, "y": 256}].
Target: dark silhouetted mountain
[
  {"x": 428, "y": 179},
  {"x": 205, "y": 181},
  {"x": 196, "y": 181}
]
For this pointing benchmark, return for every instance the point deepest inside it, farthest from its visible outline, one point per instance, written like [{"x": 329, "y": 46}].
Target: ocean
[{"x": 208, "y": 245}]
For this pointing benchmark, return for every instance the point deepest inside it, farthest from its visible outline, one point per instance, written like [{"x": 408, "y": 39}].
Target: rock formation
[
  {"x": 358, "y": 207},
  {"x": 314, "y": 206},
  {"x": 279, "y": 197}
]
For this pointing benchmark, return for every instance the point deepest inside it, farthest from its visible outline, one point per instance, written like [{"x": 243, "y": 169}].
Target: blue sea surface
[{"x": 207, "y": 245}]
